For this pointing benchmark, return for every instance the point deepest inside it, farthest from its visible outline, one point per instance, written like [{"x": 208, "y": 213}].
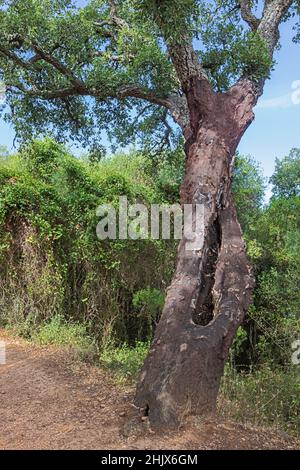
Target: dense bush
[
  {"x": 53, "y": 264},
  {"x": 60, "y": 333},
  {"x": 124, "y": 362},
  {"x": 273, "y": 239},
  {"x": 263, "y": 396},
  {"x": 51, "y": 260}
]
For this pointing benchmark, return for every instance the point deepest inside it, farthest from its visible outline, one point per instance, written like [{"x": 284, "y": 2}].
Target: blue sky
[{"x": 276, "y": 128}]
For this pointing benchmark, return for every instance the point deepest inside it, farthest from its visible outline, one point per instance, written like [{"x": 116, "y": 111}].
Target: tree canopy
[{"x": 118, "y": 66}]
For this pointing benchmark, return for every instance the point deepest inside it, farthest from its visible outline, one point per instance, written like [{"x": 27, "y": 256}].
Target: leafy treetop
[
  {"x": 286, "y": 178},
  {"x": 75, "y": 69}
]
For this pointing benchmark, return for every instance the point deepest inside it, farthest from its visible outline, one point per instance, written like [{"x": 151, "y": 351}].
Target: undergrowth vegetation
[
  {"x": 262, "y": 396},
  {"x": 60, "y": 285},
  {"x": 51, "y": 260},
  {"x": 125, "y": 362},
  {"x": 60, "y": 333}
]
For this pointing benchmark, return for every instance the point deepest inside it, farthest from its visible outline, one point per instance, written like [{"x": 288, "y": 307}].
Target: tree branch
[
  {"x": 15, "y": 58},
  {"x": 186, "y": 63},
  {"x": 248, "y": 16},
  {"x": 168, "y": 131},
  {"x": 194, "y": 81},
  {"x": 273, "y": 13},
  {"x": 76, "y": 82},
  {"x": 50, "y": 59},
  {"x": 45, "y": 94},
  {"x": 119, "y": 22},
  {"x": 136, "y": 91},
  {"x": 176, "y": 104},
  {"x": 268, "y": 29},
  {"x": 181, "y": 51}
]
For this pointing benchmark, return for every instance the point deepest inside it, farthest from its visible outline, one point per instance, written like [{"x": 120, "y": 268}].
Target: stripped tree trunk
[{"x": 212, "y": 287}]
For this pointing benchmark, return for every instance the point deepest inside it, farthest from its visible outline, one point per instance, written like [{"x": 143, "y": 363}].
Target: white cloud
[
  {"x": 296, "y": 93},
  {"x": 283, "y": 101}
]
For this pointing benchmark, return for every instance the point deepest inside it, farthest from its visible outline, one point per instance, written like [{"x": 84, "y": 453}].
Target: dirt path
[{"x": 50, "y": 401}]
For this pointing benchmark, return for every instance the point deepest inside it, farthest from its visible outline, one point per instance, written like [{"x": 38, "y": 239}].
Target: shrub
[
  {"x": 51, "y": 260},
  {"x": 148, "y": 304},
  {"x": 125, "y": 362},
  {"x": 58, "y": 332},
  {"x": 263, "y": 397}
]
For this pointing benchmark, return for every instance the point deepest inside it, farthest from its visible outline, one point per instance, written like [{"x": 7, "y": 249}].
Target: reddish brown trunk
[{"x": 211, "y": 289}]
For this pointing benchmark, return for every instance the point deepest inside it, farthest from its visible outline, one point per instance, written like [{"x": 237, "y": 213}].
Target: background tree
[
  {"x": 125, "y": 67},
  {"x": 249, "y": 190},
  {"x": 272, "y": 235},
  {"x": 3, "y": 152},
  {"x": 277, "y": 236},
  {"x": 286, "y": 178}
]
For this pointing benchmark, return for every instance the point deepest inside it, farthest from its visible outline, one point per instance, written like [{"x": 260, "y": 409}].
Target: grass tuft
[{"x": 125, "y": 362}]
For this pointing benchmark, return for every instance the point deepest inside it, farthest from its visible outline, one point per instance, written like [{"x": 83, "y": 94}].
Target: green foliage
[
  {"x": 74, "y": 66},
  {"x": 51, "y": 260},
  {"x": 148, "y": 304},
  {"x": 286, "y": 178},
  {"x": 263, "y": 397},
  {"x": 42, "y": 158},
  {"x": 103, "y": 58},
  {"x": 125, "y": 362},
  {"x": 237, "y": 345},
  {"x": 150, "y": 299},
  {"x": 231, "y": 52},
  {"x": 248, "y": 188},
  {"x": 273, "y": 242},
  {"x": 176, "y": 18},
  {"x": 167, "y": 168},
  {"x": 59, "y": 332},
  {"x": 296, "y": 12},
  {"x": 252, "y": 57}
]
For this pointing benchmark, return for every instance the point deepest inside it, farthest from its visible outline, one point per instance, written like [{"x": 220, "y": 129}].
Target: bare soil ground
[{"x": 48, "y": 400}]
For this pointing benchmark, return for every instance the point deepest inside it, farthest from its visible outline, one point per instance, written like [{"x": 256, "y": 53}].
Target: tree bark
[{"x": 212, "y": 286}]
